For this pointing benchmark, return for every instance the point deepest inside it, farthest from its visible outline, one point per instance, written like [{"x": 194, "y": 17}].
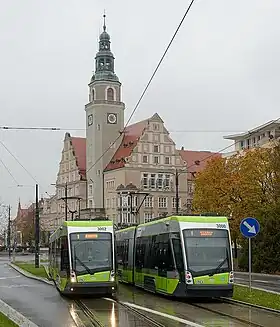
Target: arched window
[{"x": 110, "y": 94}]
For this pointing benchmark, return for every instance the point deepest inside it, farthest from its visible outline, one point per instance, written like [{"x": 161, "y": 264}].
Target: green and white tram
[
  {"x": 82, "y": 258},
  {"x": 181, "y": 256}
]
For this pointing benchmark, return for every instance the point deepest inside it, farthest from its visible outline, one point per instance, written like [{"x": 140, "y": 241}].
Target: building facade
[
  {"x": 71, "y": 181},
  {"x": 145, "y": 161},
  {"x": 262, "y": 136}
]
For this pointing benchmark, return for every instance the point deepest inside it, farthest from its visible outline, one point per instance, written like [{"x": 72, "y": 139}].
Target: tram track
[
  {"x": 228, "y": 315},
  {"x": 94, "y": 321}
]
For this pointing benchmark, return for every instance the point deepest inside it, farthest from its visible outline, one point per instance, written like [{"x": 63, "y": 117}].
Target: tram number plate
[
  {"x": 102, "y": 229},
  {"x": 221, "y": 225}
]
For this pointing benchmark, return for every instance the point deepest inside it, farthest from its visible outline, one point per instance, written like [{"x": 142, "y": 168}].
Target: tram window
[
  {"x": 64, "y": 254},
  {"x": 164, "y": 253},
  {"x": 177, "y": 248}
]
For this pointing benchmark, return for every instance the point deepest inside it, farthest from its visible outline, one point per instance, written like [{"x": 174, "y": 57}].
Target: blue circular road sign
[{"x": 249, "y": 227}]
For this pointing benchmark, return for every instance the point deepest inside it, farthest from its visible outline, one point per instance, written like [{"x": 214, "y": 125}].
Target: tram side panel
[
  {"x": 125, "y": 240},
  {"x": 157, "y": 269}
]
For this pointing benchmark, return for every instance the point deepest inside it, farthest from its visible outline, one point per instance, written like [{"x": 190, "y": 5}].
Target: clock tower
[{"x": 104, "y": 119}]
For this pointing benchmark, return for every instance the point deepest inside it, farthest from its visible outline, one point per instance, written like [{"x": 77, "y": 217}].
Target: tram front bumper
[
  {"x": 203, "y": 291},
  {"x": 94, "y": 288}
]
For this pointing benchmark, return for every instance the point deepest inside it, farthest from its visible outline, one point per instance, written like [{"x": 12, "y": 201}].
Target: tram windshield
[
  {"x": 207, "y": 250},
  {"x": 91, "y": 252}
]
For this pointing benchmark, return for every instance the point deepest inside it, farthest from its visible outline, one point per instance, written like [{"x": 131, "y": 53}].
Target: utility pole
[
  {"x": 177, "y": 191},
  {"x": 66, "y": 205},
  {"x": 37, "y": 228},
  {"x": 9, "y": 231}
]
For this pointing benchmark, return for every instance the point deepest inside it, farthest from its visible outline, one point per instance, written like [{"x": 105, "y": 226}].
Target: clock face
[
  {"x": 90, "y": 120},
  {"x": 112, "y": 118}
]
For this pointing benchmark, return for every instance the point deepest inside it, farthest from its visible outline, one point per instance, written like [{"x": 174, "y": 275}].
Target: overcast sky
[{"x": 221, "y": 74}]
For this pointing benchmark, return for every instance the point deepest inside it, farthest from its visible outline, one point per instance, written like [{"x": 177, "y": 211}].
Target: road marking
[
  {"x": 10, "y": 277},
  {"x": 17, "y": 286},
  {"x": 183, "y": 321}
]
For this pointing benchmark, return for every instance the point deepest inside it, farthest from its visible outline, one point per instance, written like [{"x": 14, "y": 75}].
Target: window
[
  {"x": 167, "y": 149},
  {"x": 155, "y": 127},
  {"x": 174, "y": 203},
  {"x": 145, "y": 180},
  {"x": 98, "y": 127},
  {"x": 90, "y": 203},
  {"x": 190, "y": 187},
  {"x": 146, "y": 147},
  {"x": 90, "y": 190},
  {"x": 167, "y": 181},
  {"x": 242, "y": 144},
  {"x": 167, "y": 160},
  {"x": 152, "y": 181},
  {"x": 110, "y": 94},
  {"x": 92, "y": 95},
  {"x": 162, "y": 202},
  {"x": 156, "y": 137},
  {"x": 160, "y": 181},
  {"x": 148, "y": 203},
  {"x": 145, "y": 159},
  {"x": 156, "y": 160},
  {"x": 148, "y": 216},
  {"x": 156, "y": 148}
]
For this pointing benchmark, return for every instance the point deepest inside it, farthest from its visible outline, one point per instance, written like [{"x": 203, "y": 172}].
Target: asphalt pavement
[
  {"x": 267, "y": 282},
  {"x": 39, "y": 302}
]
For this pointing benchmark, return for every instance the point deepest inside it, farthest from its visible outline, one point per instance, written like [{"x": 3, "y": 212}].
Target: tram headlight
[
  {"x": 73, "y": 278},
  {"x": 188, "y": 278},
  {"x": 112, "y": 276},
  {"x": 231, "y": 277}
]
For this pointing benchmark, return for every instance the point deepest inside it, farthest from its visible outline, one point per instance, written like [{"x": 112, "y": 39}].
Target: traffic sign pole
[
  {"x": 250, "y": 265},
  {"x": 250, "y": 228}
]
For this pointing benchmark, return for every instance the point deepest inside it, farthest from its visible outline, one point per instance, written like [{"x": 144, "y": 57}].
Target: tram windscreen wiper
[
  {"x": 216, "y": 270},
  {"x": 83, "y": 264}
]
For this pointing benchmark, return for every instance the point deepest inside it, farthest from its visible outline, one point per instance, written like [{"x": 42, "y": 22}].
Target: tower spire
[{"x": 104, "y": 21}]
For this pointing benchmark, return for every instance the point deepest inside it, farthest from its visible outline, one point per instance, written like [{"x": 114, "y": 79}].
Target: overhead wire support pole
[
  {"x": 66, "y": 202},
  {"x": 37, "y": 228},
  {"x": 177, "y": 191},
  {"x": 9, "y": 231}
]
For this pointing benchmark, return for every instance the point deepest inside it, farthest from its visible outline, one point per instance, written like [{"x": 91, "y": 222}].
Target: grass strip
[
  {"x": 6, "y": 322},
  {"x": 30, "y": 267},
  {"x": 257, "y": 297}
]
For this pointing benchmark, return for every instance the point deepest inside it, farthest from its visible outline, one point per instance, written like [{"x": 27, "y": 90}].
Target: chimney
[{"x": 182, "y": 148}]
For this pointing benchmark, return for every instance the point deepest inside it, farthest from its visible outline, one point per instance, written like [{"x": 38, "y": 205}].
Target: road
[
  {"x": 39, "y": 302},
  {"x": 267, "y": 282}
]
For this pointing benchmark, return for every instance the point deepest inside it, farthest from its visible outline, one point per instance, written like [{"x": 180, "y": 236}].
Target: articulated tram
[
  {"x": 82, "y": 258},
  {"x": 180, "y": 256}
]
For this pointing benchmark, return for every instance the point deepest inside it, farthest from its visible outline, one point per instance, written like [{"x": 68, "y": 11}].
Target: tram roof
[{"x": 189, "y": 219}]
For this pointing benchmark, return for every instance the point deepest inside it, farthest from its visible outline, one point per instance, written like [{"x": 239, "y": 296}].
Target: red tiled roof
[
  {"x": 132, "y": 133},
  {"x": 197, "y": 160},
  {"x": 79, "y": 145}
]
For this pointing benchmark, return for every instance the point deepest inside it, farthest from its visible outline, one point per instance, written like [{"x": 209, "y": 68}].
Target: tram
[
  {"x": 82, "y": 258},
  {"x": 180, "y": 256}
]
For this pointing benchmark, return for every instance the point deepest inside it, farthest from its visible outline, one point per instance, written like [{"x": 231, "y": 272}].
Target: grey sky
[{"x": 222, "y": 73}]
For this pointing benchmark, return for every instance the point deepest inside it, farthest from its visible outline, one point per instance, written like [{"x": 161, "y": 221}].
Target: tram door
[{"x": 162, "y": 255}]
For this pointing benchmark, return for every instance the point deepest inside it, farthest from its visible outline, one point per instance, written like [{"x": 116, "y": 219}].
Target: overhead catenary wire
[
  {"x": 16, "y": 159},
  {"x": 147, "y": 86},
  {"x": 9, "y": 172},
  {"x": 59, "y": 129}
]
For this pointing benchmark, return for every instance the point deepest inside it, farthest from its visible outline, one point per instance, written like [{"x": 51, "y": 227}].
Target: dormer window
[{"x": 110, "y": 94}]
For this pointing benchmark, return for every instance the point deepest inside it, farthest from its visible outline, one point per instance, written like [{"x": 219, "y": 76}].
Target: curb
[
  {"x": 15, "y": 316},
  {"x": 232, "y": 301},
  {"x": 29, "y": 275}
]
